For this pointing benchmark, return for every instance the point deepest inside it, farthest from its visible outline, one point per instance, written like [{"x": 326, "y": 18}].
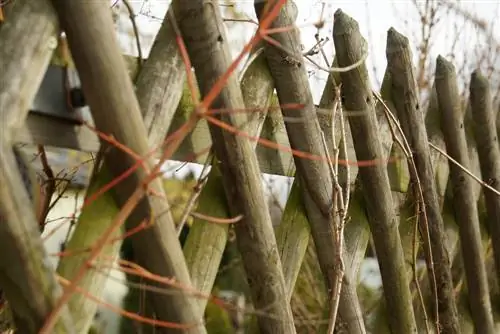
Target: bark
[
  {"x": 357, "y": 95},
  {"x": 201, "y": 26},
  {"x": 489, "y": 155},
  {"x": 159, "y": 87},
  {"x": 115, "y": 110},
  {"x": 405, "y": 97},
  {"x": 441, "y": 170},
  {"x": 463, "y": 199},
  {"x": 292, "y": 87},
  {"x": 205, "y": 243},
  {"x": 93, "y": 221},
  {"x": 160, "y": 83},
  {"x": 292, "y": 235},
  {"x": 272, "y": 161},
  {"x": 23, "y": 68},
  {"x": 26, "y": 278}
]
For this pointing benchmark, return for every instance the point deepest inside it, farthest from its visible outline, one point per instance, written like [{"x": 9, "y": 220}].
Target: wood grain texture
[
  {"x": 202, "y": 29},
  {"x": 292, "y": 87},
  {"x": 160, "y": 82},
  {"x": 463, "y": 198},
  {"x": 357, "y": 96},
  {"x": 399, "y": 63},
  {"x": 115, "y": 110},
  {"x": 489, "y": 155},
  {"x": 26, "y": 277},
  {"x": 206, "y": 241},
  {"x": 23, "y": 68}
]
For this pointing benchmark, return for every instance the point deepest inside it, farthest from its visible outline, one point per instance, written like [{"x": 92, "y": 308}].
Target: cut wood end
[
  {"x": 343, "y": 24},
  {"x": 443, "y": 67},
  {"x": 396, "y": 41},
  {"x": 478, "y": 81}
]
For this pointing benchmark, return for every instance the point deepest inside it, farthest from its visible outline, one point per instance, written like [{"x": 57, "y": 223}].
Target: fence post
[
  {"x": 358, "y": 96},
  {"x": 464, "y": 202},
  {"x": 489, "y": 155},
  {"x": 405, "y": 97}
]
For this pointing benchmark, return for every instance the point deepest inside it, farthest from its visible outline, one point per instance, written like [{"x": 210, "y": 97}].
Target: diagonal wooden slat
[
  {"x": 357, "y": 93},
  {"x": 159, "y": 85},
  {"x": 489, "y": 154},
  {"x": 115, "y": 110},
  {"x": 464, "y": 202},
  {"x": 201, "y": 25},
  {"x": 26, "y": 277},
  {"x": 292, "y": 87},
  {"x": 399, "y": 59},
  {"x": 206, "y": 241}
]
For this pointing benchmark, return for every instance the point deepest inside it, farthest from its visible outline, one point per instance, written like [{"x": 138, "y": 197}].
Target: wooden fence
[{"x": 404, "y": 191}]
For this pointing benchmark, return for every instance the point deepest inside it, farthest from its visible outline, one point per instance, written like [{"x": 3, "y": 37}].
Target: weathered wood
[
  {"x": 158, "y": 91},
  {"x": 356, "y": 232},
  {"x": 445, "y": 194},
  {"x": 498, "y": 120},
  {"x": 397, "y": 170},
  {"x": 205, "y": 243},
  {"x": 292, "y": 235},
  {"x": 115, "y": 110},
  {"x": 399, "y": 177},
  {"x": 471, "y": 149},
  {"x": 92, "y": 223},
  {"x": 292, "y": 87},
  {"x": 464, "y": 203},
  {"x": 159, "y": 85},
  {"x": 441, "y": 170},
  {"x": 23, "y": 68},
  {"x": 405, "y": 98},
  {"x": 160, "y": 82},
  {"x": 293, "y": 232},
  {"x": 489, "y": 155},
  {"x": 357, "y": 94},
  {"x": 43, "y": 130},
  {"x": 26, "y": 277},
  {"x": 201, "y": 26},
  {"x": 273, "y": 161},
  {"x": 325, "y": 122}
]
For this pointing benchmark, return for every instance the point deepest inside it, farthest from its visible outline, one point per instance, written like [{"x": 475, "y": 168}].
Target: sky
[{"x": 374, "y": 18}]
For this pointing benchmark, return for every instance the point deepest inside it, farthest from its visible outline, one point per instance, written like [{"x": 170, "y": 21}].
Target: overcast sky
[{"x": 374, "y": 18}]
